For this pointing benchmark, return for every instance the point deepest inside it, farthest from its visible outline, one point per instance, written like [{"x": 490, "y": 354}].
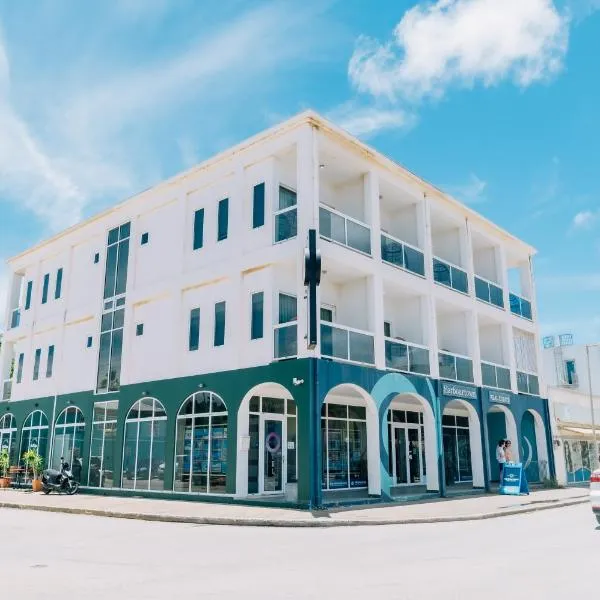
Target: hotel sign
[
  {"x": 455, "y": 390},
  {"x": 499, "y": 398}
]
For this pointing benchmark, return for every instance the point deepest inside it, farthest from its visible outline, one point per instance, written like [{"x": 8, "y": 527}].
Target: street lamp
[{"x": 589, "y": 372}]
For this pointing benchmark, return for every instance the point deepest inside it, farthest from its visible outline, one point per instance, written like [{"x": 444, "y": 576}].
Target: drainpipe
[{"x": 595, "y": 454}]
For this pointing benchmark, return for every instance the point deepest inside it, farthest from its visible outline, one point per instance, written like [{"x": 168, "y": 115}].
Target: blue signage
[
  {"x": 455, "y": 390},
  {"x": 514, "y": 482},
  {"x": 499, "y": 398}
]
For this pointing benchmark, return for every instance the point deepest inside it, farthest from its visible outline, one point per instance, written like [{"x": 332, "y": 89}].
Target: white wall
[
  {"x": 484, "y": 260},
  {"x": 446, "y": 245},
  {"x": 452, "y": 333},
  {"x": 490, "y": 343},
  {"x": 406, "y": 316}
]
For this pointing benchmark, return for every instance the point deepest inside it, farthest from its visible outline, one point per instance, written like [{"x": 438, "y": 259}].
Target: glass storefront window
[
  {"x": 103, "y": 445},
  {"x": 69, "y": 432},
  {"x": 8, "y": 435},
  {"x": 201, "y": 445},
  {"x": 144, "y": 446},
  {"x": 457, "y": 449},
  {"x": 34, "y": 435}
]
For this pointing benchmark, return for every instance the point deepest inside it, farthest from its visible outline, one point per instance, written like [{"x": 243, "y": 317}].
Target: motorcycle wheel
[
  {"x": 46, "y": 490},
  {"x": 73, "y": 488}
]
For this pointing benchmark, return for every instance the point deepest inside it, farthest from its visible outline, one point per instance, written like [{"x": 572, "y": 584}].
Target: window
[
  {"x": 201, "y": 445},
  {"x": 219, "y": 324},
  {"x": 139, "y": 329},
  {"x": 571, "y": 372},
  {"x": 257, "y": 324},
  {"x": 28, "y": 295},
  {"x": 198, "y": 229},
  {"x": 117, "y": 261},
  {"x": 69, "y": 432},
  {"x": 96, "y": 258},
  {"x": 258, "y": 206},
  {"x": 8, "y": 435},
  {"x": 111, "y": 347},
  {"x": 45, "y": 288},
  {"x": 36, "y": 364},
  {"x": 223, "y": 220},
  {"x": 34, "y": 435},
  {"x": 50, "y": 362},
  {"x": 58, "y": 287},
  {"x": 89, "y": 342},
  {"x": 145, "y": 237},
  {"x": 103, "y": 448},
  {"x": 288, "y": 308},
  {"x": 286, "y": 331},
  {"x": 286, "y": 222},
  {"x": 387, "y": 329},
  {"x": 144, "y": 446},
  {"x": 20, "y": 368},
  {"x": 326, "y": 314},
  {"x": 194, "y": 337}
]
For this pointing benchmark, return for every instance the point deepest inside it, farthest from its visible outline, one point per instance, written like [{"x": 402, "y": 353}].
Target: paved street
[{"x": 552, "y": 554}]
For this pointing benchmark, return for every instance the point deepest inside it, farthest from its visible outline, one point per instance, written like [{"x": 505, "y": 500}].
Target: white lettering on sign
[
  {"x": 499, "y": 398},
  {"x": 458, "y": 391}
]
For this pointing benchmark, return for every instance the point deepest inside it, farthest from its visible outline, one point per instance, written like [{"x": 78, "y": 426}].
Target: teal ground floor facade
[{"x": 302, "y": 432}]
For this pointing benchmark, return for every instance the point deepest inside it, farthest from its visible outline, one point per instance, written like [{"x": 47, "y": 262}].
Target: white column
[
  {"x": 376, "y": 317},
  {"x": 308, "y": 217},
  {"x": 428, "y": 312},
  {"x": 430, "y": 327},
  {"x": 508, "y": 352},
  {"x": 466, "y": 256},
  {"x": 427, "y": 247},
  {"x": 473, "y": 344}
]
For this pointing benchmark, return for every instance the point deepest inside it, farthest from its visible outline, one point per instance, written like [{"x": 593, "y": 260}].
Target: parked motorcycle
[{"x": 61, "y": 481}]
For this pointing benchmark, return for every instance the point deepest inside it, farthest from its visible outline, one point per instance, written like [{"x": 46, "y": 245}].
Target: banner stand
[{"x": 514, "y": 481}]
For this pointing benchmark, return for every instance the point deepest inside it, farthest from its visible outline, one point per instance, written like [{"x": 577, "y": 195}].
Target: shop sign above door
[
  {"x": 455, "y": 390},
  {"x": 499, "y": 398}
]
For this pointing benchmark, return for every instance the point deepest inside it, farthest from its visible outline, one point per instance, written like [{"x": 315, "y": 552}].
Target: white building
[
  {"x": 572, "y": 373},
  {"x": 122, "y": 329}
]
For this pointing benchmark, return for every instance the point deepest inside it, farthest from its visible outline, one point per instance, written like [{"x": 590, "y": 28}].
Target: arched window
[
  {"x": 144, "y": 446},
  {"x": 201, "y": 445},
  {"x": 34, "y": 435},
  {"x": 8, "y": 435},
  {"x": 69, "y": 432}
]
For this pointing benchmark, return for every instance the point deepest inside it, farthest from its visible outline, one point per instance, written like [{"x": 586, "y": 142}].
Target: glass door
[
  {"x": 401, "y": 456},
  {"x": 273, "y": 463},
  {"x": 414, "y": 455}
]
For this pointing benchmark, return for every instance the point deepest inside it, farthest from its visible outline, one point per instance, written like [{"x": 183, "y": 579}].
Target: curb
[{"x": 245, "y": 522}]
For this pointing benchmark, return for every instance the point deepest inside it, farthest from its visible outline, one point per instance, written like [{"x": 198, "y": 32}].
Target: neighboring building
[
  {"x": 568, "y": 378},
  {"x": 162, "y": 345}
]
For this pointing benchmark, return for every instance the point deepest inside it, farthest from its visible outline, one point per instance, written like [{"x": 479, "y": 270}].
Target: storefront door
[
  {"x": 407, "y": 455},
  {"x": 273, "y": 443}
]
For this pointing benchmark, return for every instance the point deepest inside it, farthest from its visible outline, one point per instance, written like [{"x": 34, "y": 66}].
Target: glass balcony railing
[
  {"x": 489, "y": 292},
  {"x": 496, "y": 376},
  {"x": 6, "y": 389},
  {"x": 405, "y": 356},
  {"x": 15, "y": 318},
  {"x": 403, "y": 255},
  {"x": 285, "y": 343},
  {"x": 345, "y": 343},
  {"x": 520, "y": 306},
  {"x": 450, "y": 275},
  {"x": 456, "y": 367},
  {"x": 528, "y": 383},
  {"x": 336, "y": 227}
]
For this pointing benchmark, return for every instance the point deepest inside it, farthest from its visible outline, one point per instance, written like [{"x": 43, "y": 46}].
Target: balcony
[
  {"x": 455, "y": 367},
  {"x": 528, "y": 383},
  {"x": 450, "y": 275},
  {"x": 15, "y": 318},
  {"x": 495, "y": 376},
  {"x": 285, "y": 342},
  {"x": 6, "y": 389},
  {"x": 407, "y": 357},
  {"x": 346, "y": 343},
  {"x": 341, "y": 229},
  {"x": 520, "y": 306},
  {"x": 402, "y": 255},
  {"x": 489, "y": 292}
]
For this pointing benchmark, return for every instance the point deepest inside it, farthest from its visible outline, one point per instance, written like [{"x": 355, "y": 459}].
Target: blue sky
[{"x": 495, "y": 101}]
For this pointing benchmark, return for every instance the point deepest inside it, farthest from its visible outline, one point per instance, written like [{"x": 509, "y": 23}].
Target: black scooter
[{"x": 61, "y": 481}]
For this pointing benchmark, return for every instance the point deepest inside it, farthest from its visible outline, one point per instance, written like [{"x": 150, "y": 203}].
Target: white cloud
[
  {"x": 584, "y": 219},
  {"x": 370, "y": 120},
  {"x": 469, "y": 192},
  {"x": 461, "y": 43}
]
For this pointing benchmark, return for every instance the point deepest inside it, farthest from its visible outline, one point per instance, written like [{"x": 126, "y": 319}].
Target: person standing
[
  {"x": 501, "y": 458},
  {"x": 508, "y": 451}
]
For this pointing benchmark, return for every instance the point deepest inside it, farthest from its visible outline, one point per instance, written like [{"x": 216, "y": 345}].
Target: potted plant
[
  {"x": 34, "y": 463},
  {"x": 4, "y": 466}
]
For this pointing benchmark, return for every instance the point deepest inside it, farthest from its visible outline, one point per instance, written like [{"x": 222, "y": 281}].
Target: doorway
[
  {"x": 273, "y": 439},
  {"x": 407, "y": 464}
]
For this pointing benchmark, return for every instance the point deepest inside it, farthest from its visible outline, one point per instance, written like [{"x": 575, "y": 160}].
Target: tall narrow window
[
  {"x": 45, "y": 288},
  {"x": 20, "y": 368},
  {"x": 28, "y": 295},
  {"x": 286, "y": 223},
  {"x": 198, "y": 229},
  {"x": 117, "y": 261},
  {"x": 111, "y": 348},
  {"x": 58, "y": 288},
  {"x": 223, "y": 220},
  {"x": 36, "y": 364},
  {"x": 288, "y": 308},
  {"x": 50, "y": 363},
  {"x": 257, "y": 324},
  {"x": 194, "y": 338},
  {"x": 258, "y": 206},
  {"x": 219, "y": 324}
]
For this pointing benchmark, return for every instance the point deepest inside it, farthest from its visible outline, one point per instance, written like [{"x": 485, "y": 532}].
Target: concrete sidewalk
[{"x": 204, "y": 513}]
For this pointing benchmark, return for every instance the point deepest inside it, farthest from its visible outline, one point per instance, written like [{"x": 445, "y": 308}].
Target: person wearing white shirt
[{"x": 501, "y": 457}]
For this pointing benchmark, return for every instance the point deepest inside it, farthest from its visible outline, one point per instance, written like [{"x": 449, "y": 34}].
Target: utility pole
[{"x": 589, "y": 371}]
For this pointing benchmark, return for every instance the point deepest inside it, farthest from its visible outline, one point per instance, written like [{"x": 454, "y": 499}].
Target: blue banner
[{"x": 514, "y": 482}]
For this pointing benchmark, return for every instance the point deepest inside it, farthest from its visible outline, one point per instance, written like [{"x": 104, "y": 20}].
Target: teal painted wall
[
  {"x": 496, "y": 431},
  {"x": 529, "y": 447}
]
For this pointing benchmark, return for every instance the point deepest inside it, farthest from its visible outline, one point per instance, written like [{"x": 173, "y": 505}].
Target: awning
[{"x": 579, "y": 430}]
